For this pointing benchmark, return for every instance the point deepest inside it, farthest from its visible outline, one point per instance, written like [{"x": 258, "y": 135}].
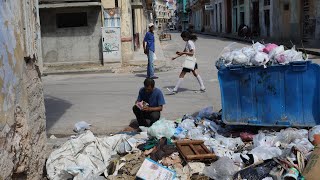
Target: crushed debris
[{"x": 235, "y": 153}]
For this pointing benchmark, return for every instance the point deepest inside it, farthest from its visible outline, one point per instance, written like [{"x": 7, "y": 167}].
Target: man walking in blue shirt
[
  {"x": 149, "y": 49},
  {"x": 149, "y": 104}
]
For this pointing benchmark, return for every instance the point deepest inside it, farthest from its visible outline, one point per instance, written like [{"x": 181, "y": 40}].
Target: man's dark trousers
[{"x": 142, "y": 116}]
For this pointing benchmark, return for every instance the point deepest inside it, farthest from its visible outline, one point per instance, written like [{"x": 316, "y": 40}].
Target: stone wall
[{"x": 22, "y": 112}]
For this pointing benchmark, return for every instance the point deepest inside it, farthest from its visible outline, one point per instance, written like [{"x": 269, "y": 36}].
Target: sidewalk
[{"x": 313, "y": 49}]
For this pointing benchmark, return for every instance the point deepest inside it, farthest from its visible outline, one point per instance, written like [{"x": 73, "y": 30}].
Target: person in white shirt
[{"x": 189, "y": 50}]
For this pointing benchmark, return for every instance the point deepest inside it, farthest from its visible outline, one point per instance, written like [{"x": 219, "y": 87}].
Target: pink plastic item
[
  {"x": 140, "y": 105},
  {"x": 269, "y": 48}
]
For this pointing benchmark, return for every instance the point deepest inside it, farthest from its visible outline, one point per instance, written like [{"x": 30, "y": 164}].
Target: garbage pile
[
  {"x": 200, "y": 147},
  {"x": 259, "y": 55}
]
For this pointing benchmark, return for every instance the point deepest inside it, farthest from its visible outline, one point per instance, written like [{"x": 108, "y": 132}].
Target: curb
[
  {"x": 309, "y": 51},
  {"x": 78, "y": 72}
]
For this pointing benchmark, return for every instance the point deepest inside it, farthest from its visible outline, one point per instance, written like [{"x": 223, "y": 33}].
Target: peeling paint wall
[
  {"x": 126, "y": 31},
  {"x": 22, "y": 113}
]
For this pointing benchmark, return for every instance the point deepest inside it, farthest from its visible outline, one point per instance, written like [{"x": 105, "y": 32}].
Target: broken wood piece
[{"x": 194, "y": 150}]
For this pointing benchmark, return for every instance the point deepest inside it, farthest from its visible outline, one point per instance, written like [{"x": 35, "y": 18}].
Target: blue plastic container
[{"x": 284, "y": 95}]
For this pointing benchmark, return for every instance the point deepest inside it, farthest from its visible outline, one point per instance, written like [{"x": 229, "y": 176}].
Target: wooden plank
[
  {"x": 202, "y": 156},
  {"x": 205, "y": 148},
  {"x": 186, "y": 142},
  {"x": 194, "y": 150}
]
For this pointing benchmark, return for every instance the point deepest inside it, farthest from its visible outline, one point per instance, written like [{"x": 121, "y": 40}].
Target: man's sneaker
[
  {"x": 203, "y": 90},
  {"x": 154, "y": 77},
  {"x": 172, "y": 91}
]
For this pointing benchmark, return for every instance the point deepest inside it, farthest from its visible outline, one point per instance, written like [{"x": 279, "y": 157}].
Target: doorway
[
  {"x": 229, "y": 17},
  {"x": 255, "y": 19}
]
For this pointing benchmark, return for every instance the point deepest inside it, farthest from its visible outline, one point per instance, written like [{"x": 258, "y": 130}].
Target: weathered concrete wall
[
  {"x": 126, "y": 31},
  {"x": 74, "y": 44},
  {"x": 22, "y": 113},
  {"x": 285, "y": 24}
]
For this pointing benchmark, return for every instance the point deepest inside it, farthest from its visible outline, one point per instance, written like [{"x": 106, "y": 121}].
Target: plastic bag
[
  {"x": 81, "y": 126},
  {"x": 258, "y": 47},
  {"x": 162, "y": 128},
  {"x": 289, "y": 135},
  {"x": 210, "y": 125},
  {"x": 239, "y": 58},
  {"x": 303, "y": 145},
  {"x": 262, "y": 140},
  {"x": 124, "y": 146},
  {"x": 276, "y": 51},
  {"x": 265, "y": 152},
  {"x": 180, "y": 133},
  {"x": 260, "y": 59},
  {"x": 230, "y": 143},
  {"x": 205, "y": 113},
  {"x": 298, "y": 57},
  {"x": 313, "y": 131},
  {"x": 223, "y": 169},
  {"x": 187, "y": 124},
  {"x": 288, "y": 56},
  {"x": 249, "y": 52},
  {"x": 259, "y": 171},
  {"x": 195, "y": 134},
  {"x": 269, "y": 48},
  {"x": 285, "y": 57},
  {"x": 226, "y": 55}
]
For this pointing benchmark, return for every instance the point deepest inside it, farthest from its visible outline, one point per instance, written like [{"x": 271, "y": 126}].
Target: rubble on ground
[{"x": 234, "y": 153}]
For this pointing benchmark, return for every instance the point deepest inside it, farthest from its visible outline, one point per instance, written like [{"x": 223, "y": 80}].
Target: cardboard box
[
  {"x": 151, "y": 170},
  {"x": 311, "y": 171}
]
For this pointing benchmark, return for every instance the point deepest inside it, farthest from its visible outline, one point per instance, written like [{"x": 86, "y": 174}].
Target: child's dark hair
[{"x": 189, "y": 36}]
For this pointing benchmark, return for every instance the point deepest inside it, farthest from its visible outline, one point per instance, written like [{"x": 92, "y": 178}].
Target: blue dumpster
[{"x": 282, "y": 95}]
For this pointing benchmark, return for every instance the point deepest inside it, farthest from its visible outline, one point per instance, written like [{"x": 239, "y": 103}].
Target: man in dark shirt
[
  {"x": 149, "y": 50},
  {"x": 154, "y": 97}
]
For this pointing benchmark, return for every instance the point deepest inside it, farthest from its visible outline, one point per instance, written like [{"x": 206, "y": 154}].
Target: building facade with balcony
[
  {"x": 161, "y": 13},
  {"x": 199, "y": 17},
  {"x": 172, "y": 6},
  {"x": 183, "y": 15}
]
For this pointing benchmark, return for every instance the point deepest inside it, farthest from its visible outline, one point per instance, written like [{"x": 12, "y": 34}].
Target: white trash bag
[
  {"x": 162, "y": 128},
  {"x": 276, "y": 51},
  {"x": 260, "y": 59},
  {"x": 81, "y": 126},
  {"x": 258, "y": 47},
  {"x": 249, "y": 52},
  {"x": 240, "y": 58}
]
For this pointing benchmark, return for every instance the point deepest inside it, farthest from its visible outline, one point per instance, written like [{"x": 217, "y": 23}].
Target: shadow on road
[
  {"x": 55, "y": 108},
  {"x": 141, "y": 75},
  {"x": 166, "y": 91}
]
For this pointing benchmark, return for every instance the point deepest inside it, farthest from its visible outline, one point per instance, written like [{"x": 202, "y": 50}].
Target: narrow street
[{"x": 106, "y": 100}]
